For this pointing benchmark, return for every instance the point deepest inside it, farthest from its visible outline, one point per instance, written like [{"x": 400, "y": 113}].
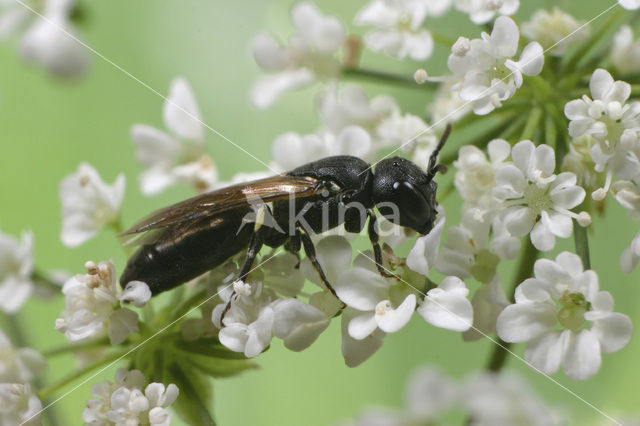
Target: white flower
[
  {"x": 16, "y": 267},
  {"x": 88, "y": 204},
  {"x": 429, "y": 394},
  {"x": 19, "y": 365},
  {"x": 483, "y": 11},
  {"x": 447, "y": 306},
  {"x": 291, "y": 150},
  {"x": 474, "y": 177},
  {"x": 177, "y": 156},
  {"x": 579, "y": 162},
  {"x": 248, "y": 325},
  {"x": 280, "y": 273},
  {"x": 529, "y": 189},
  {"x": 625, "y": 51},
  {"x": 423, "y": 255},
  {"x": 485, "y": 69},
  {"x": 125, "y": 403},
  {"x": 357, "y": 351},
  {"x": 339, "y": 109},
  {"x": 504, "y": 399},
  {"x": 447, "y": 107},
  {"x": 411, "y": 134},
  {"x": 92, "y": 306},
  {"x": 488, "y": 302},
  {"x": 309, "y": 56},
  {"x": 555, "y": 28},
  {"x": 135, "y": 292},
  {"x": 298, "y": 324},
  {"x": 382, "y": 304},
  {"x": 612, "y": 122},
  {"x": 629, "y": 4},
  {"x": 631, "y": 255},
  {"x": 563, "y": 293},
  {"x": 399, "y": 26},
  {"x": 627, "y": 193},
  {"x": 48, "y": 41},
  {"x": 19, "y": 405}
]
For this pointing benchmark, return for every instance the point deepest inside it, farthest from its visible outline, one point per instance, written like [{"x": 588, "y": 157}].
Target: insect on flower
[{"x": 185, "y": 240}]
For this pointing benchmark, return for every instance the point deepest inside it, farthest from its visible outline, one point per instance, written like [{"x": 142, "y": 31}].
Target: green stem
[
  {"x": 187, "y": 305},
  {"x": 50, "y": 390},
  {"x": 581, "y": 239},
  {"x": 527, "y": 260},
  {"x": 591, "y": 42},
  {"x": 386, "y": 78},
  {"x": 76, "y": 347},
  {"x": 533, "y": 121}
]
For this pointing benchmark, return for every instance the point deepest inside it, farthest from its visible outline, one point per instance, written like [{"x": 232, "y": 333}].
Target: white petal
[
  {"x": 559, "y": 224},
  {"x": 298, "y": 323},
  {"x": 260, "y": 333},
  {"x": 355, "y": 352},
  {"x": 268, "y": 89},
  {"x": 135, "y": 292},
  {"x": 542, "y": 238},
  {"x": 525, "y": 321},
  {"x": 268, "y": 53},
  {"x": 545, "y": 352},
  {"x": 582, "y": 357},
  {"x": 613, "y": 331},
  {"x": 181, "y": 112},
  {"x": 122, "y": 322},
  {"x": 423, "y": 253},
  {"x": 394, "y": 319},
  {"x": 154, "y": 146},
  {"x": 361, "y": 288},
  {"x": 362, "y": 326},
  {"x": 510, "y": 182},
  {"x": 504, "y": 36},
  {"x": 531, "y": 60},
  {"x": 447, "y": 306},
  {"x": 519, "y": 220}
]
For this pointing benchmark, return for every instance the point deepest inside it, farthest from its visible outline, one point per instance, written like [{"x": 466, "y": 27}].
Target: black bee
[{"x": 185, "y": 240}]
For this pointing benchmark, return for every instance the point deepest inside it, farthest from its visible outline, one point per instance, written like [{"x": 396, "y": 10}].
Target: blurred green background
[{"x": 47, "y": 127}]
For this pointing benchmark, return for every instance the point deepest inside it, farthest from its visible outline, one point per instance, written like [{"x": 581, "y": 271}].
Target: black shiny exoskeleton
[{"x": 190, "y": 238}]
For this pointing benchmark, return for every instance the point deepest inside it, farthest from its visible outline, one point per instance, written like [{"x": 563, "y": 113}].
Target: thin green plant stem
[
  {"x": 386, "y": 78},
  {"x": 498, "y": 357},
  {"x": 76, "y": 347},
  {"x": 51, "y": 389},
  {"x": 581, "y": 240},
  {"x": 533, "y": 122}
]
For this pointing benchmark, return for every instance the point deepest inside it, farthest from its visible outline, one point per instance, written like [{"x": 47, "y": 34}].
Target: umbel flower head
[
  {"x": 484, "y": 68},
  {"x": 564, "y": 294},
  {"x": 16, "y": 267},
  {"x": 92, "y": 304},
  {"x": 129, "y": 402}
]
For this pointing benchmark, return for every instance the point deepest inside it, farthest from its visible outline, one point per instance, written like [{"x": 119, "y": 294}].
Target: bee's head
[{"x": 405, "y": 194}]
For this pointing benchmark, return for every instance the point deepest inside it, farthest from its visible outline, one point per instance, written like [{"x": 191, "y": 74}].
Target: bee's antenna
[{"x": 433, "y": 167}]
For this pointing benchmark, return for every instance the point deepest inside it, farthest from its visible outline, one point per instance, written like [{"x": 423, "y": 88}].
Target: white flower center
[
  {"x": 383, "y": 307},
  {"x": 574, "y": 306},
  {"x": 537, "y": 198}
]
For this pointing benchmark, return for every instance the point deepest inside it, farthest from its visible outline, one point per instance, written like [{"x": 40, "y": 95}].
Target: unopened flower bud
[{"x": 420, "y": 76}]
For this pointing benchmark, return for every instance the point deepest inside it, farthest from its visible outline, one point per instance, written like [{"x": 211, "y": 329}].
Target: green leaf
[
  {"x": 220, "y": 367},
  {"x": 195, "y": 398}
]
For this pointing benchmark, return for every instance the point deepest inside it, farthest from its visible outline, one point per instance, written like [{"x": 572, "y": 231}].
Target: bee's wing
[{"x": 203, "y": 208}]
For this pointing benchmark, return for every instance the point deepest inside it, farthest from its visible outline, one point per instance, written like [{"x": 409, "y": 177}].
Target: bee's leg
[
  {"x": 255, "y": 244},
  {"x": 310, "y": 251},
  {"x": 293, "y": 246},
  {"x": 377, "y": 251}
]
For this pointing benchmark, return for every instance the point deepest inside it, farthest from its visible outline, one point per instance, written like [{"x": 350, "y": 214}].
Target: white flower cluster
[
  {"x": 563, "y": 293},
  {"x": 48, "y": 40},
  {"x": 18, "y": 369},
  {"x": 487, "y": 399},
  {"x": 353, "y": 124},
  {"x": 93, "y": 301},
  {"x": 177, "y": 156},
  {"x": 375, "y": 305},
  {"x": 125, "y": 403},
  {"x": 399, "y": 26},
  {"x": 612, "y": 125},
  {"x": 309, "y": 56},
  {"x": 484, "y": 70}
]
